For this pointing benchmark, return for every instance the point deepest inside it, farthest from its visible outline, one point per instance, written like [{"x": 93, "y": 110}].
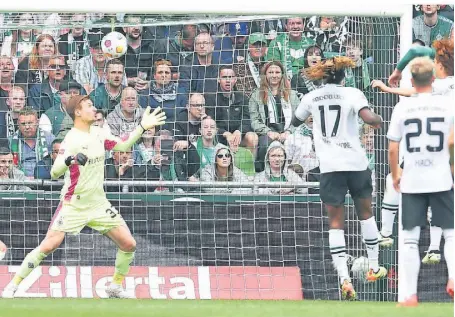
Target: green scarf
[
  {"x": 73, "y": 52},
  {"x": 285, "y": 48},
  {"x": 41, "y": 146}
]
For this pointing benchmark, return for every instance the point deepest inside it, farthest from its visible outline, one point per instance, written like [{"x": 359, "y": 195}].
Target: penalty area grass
[{"x": 49, "y": 307}]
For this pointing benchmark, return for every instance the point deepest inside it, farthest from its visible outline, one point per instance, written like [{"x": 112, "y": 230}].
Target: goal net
[{"x": 197, "y": 238}]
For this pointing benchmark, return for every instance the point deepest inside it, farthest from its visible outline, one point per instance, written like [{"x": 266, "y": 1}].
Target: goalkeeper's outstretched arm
[{"x": 149, "y": 120}]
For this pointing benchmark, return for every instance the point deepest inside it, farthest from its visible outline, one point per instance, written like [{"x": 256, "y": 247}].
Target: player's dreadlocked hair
[
  {"x": 444, "y": 54},
  {"x": 331, "y": 70}
]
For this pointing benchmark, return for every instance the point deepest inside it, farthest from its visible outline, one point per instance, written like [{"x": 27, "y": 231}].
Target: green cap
[{"x": 257, "y": 37}]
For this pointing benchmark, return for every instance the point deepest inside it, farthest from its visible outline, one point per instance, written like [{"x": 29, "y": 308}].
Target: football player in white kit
[
  {"x": 424, "y": 122},
  {"x": 343, "y": 161},
  {"x": 443, "y": 54}
]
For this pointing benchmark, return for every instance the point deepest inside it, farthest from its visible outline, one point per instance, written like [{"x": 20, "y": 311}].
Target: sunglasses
[
  {"x": 57, "y": 66},
  {"x": 226, "y": 155}
]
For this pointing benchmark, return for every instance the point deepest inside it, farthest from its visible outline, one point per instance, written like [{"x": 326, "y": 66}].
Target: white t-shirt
[
  {"x": 440, "y": 86},
  {"x": 335, "y": 127},
  {"x": 424, "y": 122},
  {"x": 444, "y": 86}
]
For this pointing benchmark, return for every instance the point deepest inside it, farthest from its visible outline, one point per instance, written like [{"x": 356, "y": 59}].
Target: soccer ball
[
  {"x": 359, "y": 268},
  {"x": 114, "y": 45}
]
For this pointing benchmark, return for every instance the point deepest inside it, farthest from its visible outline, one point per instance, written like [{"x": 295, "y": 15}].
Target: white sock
[
  {"x": 389, "y": 207},
  {"x": 448, "y": 252},
  {"x": 337, "y": 246},
  {"x": 411, "y": 260},
  {"x": 370, "y": 236},
  {"x": 435, "y": 237}
]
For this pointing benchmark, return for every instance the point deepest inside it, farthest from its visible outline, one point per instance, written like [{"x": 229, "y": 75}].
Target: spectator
[
  {"x": 121, "y": 167},
  {"x": 164, "y": 160},
  {"x": 107, "y": 96},
  {"x": 300, "y": 82},
  {"x": 74, "y": 45},
  {"x": 271, "y": 109},
  {"x": 91, "y": 71},
  {"x": 164, "y": 92},
  {"x": 202, "y": 152},
  {"x": 20, "y": 42},
  {"x": 277, "y": 170},
  {"x": 16, "y": 103},
  {"x": 329, "y": 32},
  {"x": 223, "y": 171},
  {"x": 51, "y": 121},
  {"x": 33, "y": 68},
  {"x": 6, "y": 79},
  {"x": 43, "y": 167},
  {"x": 188, "y": 123},
  {"x": 127, "y": 115},
  {"x": 232, "y": 43},
  {"x": 138, "y": 59},
  {"x": 9, "y": 171},
  {"x": 289, "y": 48},
  {"x": 300, "y": 150},
  {"x": 179, "y": 49},
  {"x": 45, "y": 96},
  {"x": 430, "y": 26},
  {"x": 230, "y": 110},
  {"x": 270, "y": 28},
  {"x": 144, "y": 150},
  {"x": 248, "y": 68},
  {"x": 201, "y": 76},
  {"x": 358, "y": 77},
  {"x": 29, "y": 144}
]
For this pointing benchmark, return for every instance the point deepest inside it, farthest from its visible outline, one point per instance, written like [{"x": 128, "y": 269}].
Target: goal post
[{"x": 261, "y": 235}]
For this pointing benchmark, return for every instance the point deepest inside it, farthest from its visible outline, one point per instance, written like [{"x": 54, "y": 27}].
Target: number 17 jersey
[
  {"x": 423, "y": 122},
  {"x": 335, "y": 127}
]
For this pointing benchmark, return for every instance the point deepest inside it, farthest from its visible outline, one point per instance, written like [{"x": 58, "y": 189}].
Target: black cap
[{"x": 66, "y": 85}]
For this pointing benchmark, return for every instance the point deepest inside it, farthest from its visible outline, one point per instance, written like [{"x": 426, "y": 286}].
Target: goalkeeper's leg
[
  {"x": 51, "y": 242},
  {"x": 433, "y": 255},
  {"x": 388, "y": 212},
  {"x": 126, "y": 247}
]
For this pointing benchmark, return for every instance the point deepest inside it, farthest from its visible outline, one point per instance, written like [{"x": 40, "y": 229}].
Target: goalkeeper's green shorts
[{"x": 72, "y": 220}]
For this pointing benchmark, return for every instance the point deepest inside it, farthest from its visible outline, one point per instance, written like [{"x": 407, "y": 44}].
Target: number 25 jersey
[
  {"x": 423, "y": 122},
  {"x": 335, "y": 127}
]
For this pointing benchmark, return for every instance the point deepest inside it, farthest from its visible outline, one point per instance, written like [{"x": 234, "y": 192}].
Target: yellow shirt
[{"x": 83, "y": 186}]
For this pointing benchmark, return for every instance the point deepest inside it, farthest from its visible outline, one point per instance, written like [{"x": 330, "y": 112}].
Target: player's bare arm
[
  {"x": 393, "y": 163},
  {"x": 451, "y": 148},
  {"x": 406, "y": 92},
  {"x": 371, "y": 118}
]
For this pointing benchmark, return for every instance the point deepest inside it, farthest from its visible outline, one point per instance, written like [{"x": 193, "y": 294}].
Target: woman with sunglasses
[
  {"x": 277, "y": 170},
  {"x": 223, "y": 171}
]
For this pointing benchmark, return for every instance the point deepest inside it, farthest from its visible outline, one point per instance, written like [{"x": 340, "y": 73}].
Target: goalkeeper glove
[
  {"x": 154, "y": 119},
  {"x": 79, "y": 158}
]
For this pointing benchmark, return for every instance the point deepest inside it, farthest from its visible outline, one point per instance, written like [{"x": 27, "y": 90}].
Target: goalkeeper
[{"x": 82, "y": 200}]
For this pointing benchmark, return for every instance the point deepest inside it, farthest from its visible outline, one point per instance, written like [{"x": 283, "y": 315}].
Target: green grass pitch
[{"x": 212, "y": 308}]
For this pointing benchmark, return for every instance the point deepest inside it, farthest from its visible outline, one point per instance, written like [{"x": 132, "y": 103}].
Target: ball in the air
[
  {"x": 359, "y": 268},
  {"x": 114, "y": 45}
]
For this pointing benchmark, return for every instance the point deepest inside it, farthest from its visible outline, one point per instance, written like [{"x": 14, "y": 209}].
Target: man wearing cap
[
  {"x": 249, "y": 67},
  {"x": 289, "y": 48},
  {"x": 45, "y": 95},
  {"x": 234, "y": 43},
  {"x": 52, "y": 119},
  {"x": 90, "y": 71}
]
